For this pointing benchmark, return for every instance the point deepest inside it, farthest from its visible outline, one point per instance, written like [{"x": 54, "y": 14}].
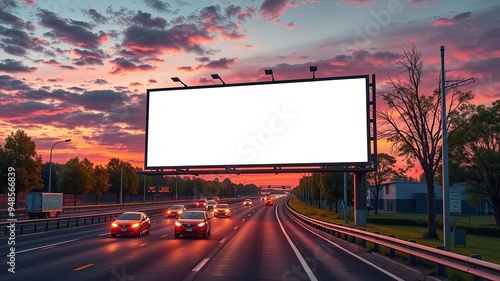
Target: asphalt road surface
[{"x": 255, "y": 243}]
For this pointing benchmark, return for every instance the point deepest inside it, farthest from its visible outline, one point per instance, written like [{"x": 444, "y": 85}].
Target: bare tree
[{"x": 412, "y": 122}]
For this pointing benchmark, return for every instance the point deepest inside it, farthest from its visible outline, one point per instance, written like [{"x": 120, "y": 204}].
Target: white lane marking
[
  {"x": 243, "y": 219},
  {"x": 200, "y": 265},
  {"x": 41, "y": 247},
  {"x": 223, "y": 240},
  {"x": 356, "y": 256},
  {"x": 236, "y": 227},
  {"x": 104, "y": 234},
  {"x": 302, "y": 261}
]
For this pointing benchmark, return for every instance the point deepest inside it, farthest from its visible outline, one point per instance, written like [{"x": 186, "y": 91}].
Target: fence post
[
  {"x": 375, "y": 245},
  {"x": 413, "y": 259},
  {"x": 476, "y": 256},
  {"x": 392, "y": 252},
  {"x": 440, "y": 267}
]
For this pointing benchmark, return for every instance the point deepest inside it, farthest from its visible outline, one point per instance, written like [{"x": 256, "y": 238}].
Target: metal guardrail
[
  {"x": 473, "y": 266},
  {"x": 26, "y": 226},
  {"x": 13, "y": 227}
]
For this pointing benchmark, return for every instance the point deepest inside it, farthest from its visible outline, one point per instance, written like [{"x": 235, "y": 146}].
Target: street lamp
[
  {"x": 444, "y": 150},
  {"x": 216, "y": 76},
  {"x": 313, "y": 69},
  {"x": 176, "y": 79},
  {"x": 269, "y": 72},
  {"x": 50, "y": 163}
]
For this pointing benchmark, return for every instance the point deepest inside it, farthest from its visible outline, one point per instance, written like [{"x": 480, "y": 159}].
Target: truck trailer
[{"x": 44, "y": 205}]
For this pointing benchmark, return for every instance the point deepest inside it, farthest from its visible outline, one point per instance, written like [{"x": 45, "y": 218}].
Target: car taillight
[
  {"x": 201, "y": 224},
  {"x": 114, "y": 224},
  {"x": 177, "y": 223},
  {"x": 135, "y": 225}
]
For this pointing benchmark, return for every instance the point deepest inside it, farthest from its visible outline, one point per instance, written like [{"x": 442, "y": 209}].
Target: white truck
[{"x": 44, "y": 205}]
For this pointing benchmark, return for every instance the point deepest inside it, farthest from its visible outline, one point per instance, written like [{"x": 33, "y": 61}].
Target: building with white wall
[{"x": 411, "y": 196}]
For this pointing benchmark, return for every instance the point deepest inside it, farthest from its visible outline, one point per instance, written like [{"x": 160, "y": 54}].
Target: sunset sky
[{"x": 81, "y": 69}]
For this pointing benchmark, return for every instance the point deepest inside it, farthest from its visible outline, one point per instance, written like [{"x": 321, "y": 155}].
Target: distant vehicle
[
  {"x": 44, "y": 205},
  {"x": 222, "y": 210},
  {"x": 193, "y": 223},
  {"x": 268, "y": 202},
  {"x": 131, "y": 223},
  {"x": 201, "y": 203},
  {"x": 248, "y": 202},
  {"x": 210, "y": 208},
  {"x": 176, "y": 211},
  {"x": 210, "y": 205}
]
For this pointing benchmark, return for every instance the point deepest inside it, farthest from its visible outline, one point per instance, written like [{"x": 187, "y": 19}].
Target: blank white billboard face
[{"x": 304, "y": 122}]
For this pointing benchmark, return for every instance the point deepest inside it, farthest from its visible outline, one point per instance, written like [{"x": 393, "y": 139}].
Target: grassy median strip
[{"x": 487, "y": 247}]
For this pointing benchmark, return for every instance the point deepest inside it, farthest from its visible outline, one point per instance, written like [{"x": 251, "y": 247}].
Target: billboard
[{"x": 293, "y": 123}]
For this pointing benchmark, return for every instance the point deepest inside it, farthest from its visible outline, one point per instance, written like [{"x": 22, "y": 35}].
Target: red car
[
  {"x": 201, "y": 203},
  {"x": 195, "y": 223},
  {"x": 131, "y": 223},
  {"x": 176, "y": 211},
  {"x": 268, "y": 202}
]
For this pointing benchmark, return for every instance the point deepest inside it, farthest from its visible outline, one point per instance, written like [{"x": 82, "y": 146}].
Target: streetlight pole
[{"x": 50, "y": 163}]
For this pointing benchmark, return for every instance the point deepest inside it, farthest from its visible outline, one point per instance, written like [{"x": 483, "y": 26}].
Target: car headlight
[
  {"x": 114, "y": 224},
  {"x": 179, "y": 212},
  {"x": 135, "y": 225},
  {"x": 168, "y": 211},
  {"x": 201, "y": 224},
  {"x": 177, "y": 223}
]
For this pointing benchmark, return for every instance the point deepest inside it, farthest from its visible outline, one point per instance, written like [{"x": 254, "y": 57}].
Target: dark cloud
[
  {"x": 240, "y": 13},
  {"x": 12, "y": 66},
  {"x": 8, "y": 18},
  {"x": 272, "y": 9},
  {"x": 158, "y": 5},
  {"x": 9, "y": 83},
  {"x": 68, "y": 67},
  {"x": 86, "y": 57},
  {"x": 154, "y": 41},
  {"x": 25, "y": 109},
  {"x": 75, "y": 34},
  {"x": 185, "y": 68},
  {"x": 55, "y": 80},
  {"x": 203, "y": 59},
  {"x": 16, "y": 41},
  {"x": 96, "y": 16},
  {"x": 124, "y": 65},
  {"x": 100, "y": 82},
  {"x": 223, "y": 63},
  {"x": 146, "y": 20},
  {"x": 76, "y": 89}
]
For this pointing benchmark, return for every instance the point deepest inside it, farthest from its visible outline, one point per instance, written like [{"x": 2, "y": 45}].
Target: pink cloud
[{"x": 456, "y": 19}]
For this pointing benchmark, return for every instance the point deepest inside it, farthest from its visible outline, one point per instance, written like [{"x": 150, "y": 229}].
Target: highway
[{"x": 255, "y": 243}]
